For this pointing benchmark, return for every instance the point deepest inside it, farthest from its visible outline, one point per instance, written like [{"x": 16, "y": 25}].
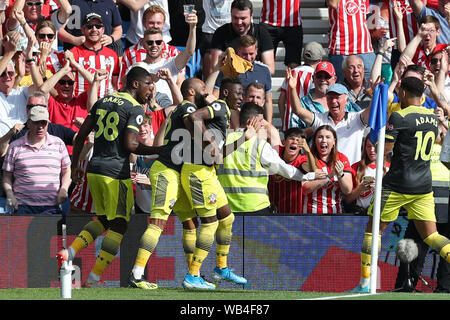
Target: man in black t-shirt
[
  {"x": 241, "y": 24},
  {"x": 115, "y": 119},
  {"x": 411, "y": 132}
]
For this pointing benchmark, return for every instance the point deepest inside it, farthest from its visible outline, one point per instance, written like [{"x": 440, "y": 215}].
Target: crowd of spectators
[{"x": 74, "y": 52}]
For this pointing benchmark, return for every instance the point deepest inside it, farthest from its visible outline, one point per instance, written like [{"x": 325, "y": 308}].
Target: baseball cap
[
  {"x": 313, "y": 51},
  {"x": 91, "y": 16},
  {"x": 338, "y": 88},
  {"x": 327, "y": 67},
  {"x": 39, "y": 113}
]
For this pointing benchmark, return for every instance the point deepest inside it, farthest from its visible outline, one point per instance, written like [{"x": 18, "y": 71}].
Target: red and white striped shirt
[
  {"x": 327, "y": 199},
  {"x": 286, "y": 195},
  {"x": 137, "y": 53},
  {"x": 349, "y": 33},
  {"x": 422, "y": 59},
  {"x": 91, "y": 60},
  {"x": 81, "y": 196},
  {"x": 304, "y": 84},
  {"x": 410, "y": 25},
  {"x": 54, "y": 61},
  {"x": 281, "y": 13}
]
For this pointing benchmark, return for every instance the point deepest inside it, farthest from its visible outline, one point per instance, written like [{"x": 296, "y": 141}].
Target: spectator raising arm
[
  {"x": 438, "y": 96},
  {"x": 401, "y": 39},
  {"x": 183, "y": 57},
  {"x": 304, "y": 114},
  {"x": 9, "y": 44},
  {"x": 89, "y": 77},
  {"x": 412, "y": 46},
  {"x": 51, "y": 82},
  {"x": 97, "y": 78},
  {"x": 442, "y": 75},
  {"x": 164, "y": 74}
]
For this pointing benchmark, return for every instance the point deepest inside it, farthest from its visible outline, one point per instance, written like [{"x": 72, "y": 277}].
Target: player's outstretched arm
[{"x": 132, "y": 145}]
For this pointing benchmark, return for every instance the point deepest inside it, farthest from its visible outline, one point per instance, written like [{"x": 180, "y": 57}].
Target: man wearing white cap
[
  {"x": 349, "y": 126},
  {"x": 37, "y": 166}
]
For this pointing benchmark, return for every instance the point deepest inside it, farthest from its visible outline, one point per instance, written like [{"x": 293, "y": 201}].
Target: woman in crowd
[
  {"x": 364, "y": 178},
  {"x": 325, "y": 196},
  {"x": 49, "y": 58}
]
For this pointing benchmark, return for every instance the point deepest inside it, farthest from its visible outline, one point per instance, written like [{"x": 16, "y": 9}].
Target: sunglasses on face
[
  {"x": 29, "y": 106},
  {"x": 434, "y": 60},
  {"x": 49, "y": 36},
  {"x": 30, "y": 3},
  {"x": 151, "y": 42},
  {"x": 9, "y": 73},
  {"x": 96, "y": 25},
  {"x": 64, "y": 82},
  {"x": 323, "y": 76}
]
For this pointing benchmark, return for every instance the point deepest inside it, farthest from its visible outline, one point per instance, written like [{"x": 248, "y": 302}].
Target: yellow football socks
[
  {"x": 439, "y": 243},
  {"x": 205, "y": 239},
  {"x": 148, "y": 244},
  {"x": 110, "y": 248},
  {"x": 189, "y": 239},
  {"x": 223, "y": 239},
  {"x": 89, "y": 233}
]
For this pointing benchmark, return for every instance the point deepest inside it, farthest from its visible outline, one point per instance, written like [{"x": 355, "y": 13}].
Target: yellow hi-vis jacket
[{"x": 242, "y": 176}]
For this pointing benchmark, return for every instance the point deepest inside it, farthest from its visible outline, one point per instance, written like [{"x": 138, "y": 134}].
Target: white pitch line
[{"x": 338, "y": 297}]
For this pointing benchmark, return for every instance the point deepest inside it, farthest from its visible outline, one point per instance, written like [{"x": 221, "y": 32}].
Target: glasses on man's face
[
  {"x": 49, "y": 36},
  {"x": 31, "y": 3},
  {"x": 64, "y": 82},
  {"x": 322, "y": 76},
  {"x": 96, "y": 25},
  {"x": 151, "y": 42},
  {"x": 434, "y": 60},
  {"x": 29, "y": 106},
  {"x": 9, "y": 73}
]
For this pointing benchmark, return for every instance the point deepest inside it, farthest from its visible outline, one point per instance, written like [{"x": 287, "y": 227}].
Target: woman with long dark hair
[{"x": 325, "y": 196}]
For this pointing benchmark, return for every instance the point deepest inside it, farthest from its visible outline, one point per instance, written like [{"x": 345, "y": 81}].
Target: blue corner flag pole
[{"x": 377, "y": 124}]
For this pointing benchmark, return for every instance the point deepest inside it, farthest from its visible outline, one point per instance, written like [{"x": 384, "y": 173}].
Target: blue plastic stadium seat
[{"x": 194, "y": 64}]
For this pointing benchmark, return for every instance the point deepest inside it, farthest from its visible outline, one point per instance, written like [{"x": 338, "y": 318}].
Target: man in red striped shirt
[
  {"x": 424, "y": 45},
  {"x": 92, "y": 55},
  {"x": 153, "y": 17},
  {"x": 312, "y": 55},
  {"x": 284, "y": 23},
  {"x": 349, "y": 34}
]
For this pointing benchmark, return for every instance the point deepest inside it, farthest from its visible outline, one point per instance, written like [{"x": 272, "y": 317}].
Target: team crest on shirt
[
  {"x": 212, "y": 198},
  {"x": 352, "y": 8},
  {"x": 171, "y": 203}
]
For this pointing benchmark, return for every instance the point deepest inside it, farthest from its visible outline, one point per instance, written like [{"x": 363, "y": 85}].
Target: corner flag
[
  {"x": 378, "y": 111},
  {"x": 377, "y": 124}
]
